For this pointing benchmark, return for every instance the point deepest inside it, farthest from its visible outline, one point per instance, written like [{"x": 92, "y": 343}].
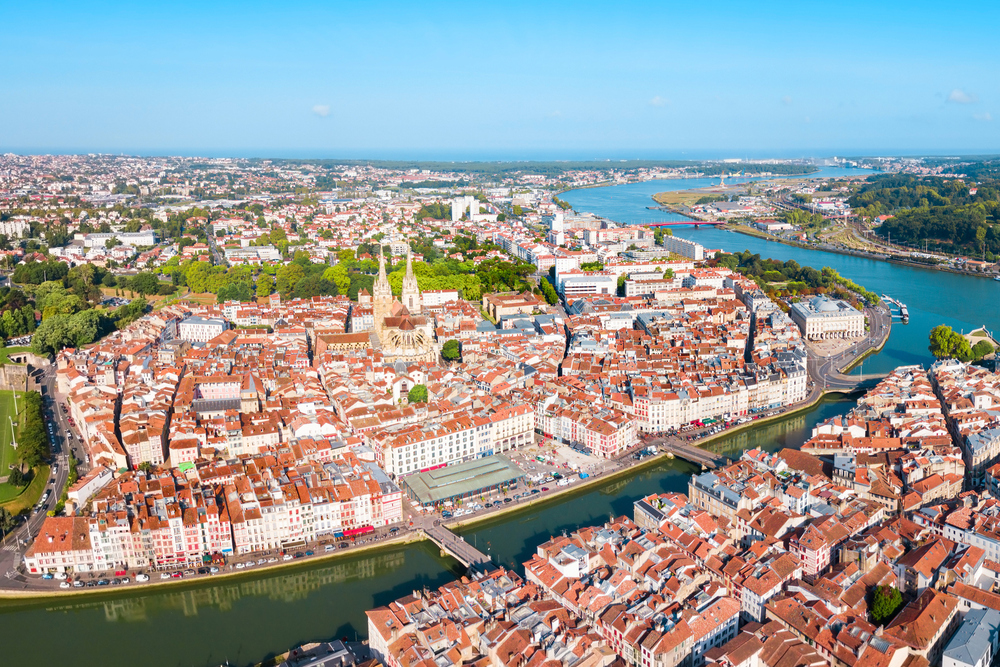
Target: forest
[{"x": 934, "y": 213}]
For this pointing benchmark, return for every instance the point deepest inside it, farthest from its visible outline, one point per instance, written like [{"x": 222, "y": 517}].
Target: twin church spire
[{"x": 382, "y": 298}]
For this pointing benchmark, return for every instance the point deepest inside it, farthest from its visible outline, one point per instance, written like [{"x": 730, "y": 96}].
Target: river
[{"x": 248, "y": 620}]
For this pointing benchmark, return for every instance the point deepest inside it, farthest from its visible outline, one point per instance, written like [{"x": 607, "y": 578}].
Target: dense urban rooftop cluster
[{"x": 779, "y": 558}]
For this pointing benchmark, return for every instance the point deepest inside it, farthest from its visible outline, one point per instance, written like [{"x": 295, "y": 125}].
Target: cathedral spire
[
  {"x": 381, "y": 267},
  {"x": 411, "y": 291}
]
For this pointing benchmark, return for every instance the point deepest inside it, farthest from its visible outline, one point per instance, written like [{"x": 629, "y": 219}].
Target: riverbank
[
  {"x": 578, "y": 488},
  {"x": 234, "y": 576},
  {"x": 890, "y": 259}
]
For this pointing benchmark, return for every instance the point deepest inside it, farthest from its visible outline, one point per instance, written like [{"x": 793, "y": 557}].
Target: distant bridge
[
  {"x": 457, "y": 548},
  {"x": 678, "y": 223}
]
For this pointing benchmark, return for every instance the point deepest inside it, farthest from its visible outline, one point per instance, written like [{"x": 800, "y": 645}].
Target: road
[
  {"x": 14, "y": 545},
  {"x": 825, "y": 373}
]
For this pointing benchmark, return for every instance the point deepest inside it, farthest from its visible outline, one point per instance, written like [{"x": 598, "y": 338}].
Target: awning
[{"x": 359, "y": 531}]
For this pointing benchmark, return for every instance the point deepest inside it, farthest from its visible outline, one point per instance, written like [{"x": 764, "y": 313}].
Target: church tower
[
  {"x": 411, "y": 292},
  {"x": 381, "y": 295}
]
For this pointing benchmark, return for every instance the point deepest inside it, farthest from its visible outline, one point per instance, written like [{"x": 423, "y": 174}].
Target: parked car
[{"x": 142, "y": 577}]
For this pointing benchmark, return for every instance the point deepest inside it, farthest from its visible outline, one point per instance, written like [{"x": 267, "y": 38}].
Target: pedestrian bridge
[
  {"x": 456, "y": 547},
  {"x": 693, "y": 454}
]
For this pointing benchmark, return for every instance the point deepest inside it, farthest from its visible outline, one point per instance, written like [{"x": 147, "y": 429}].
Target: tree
[
  {"x": 451, "y": 351},
  {"x": 16, "y": 477},
  {"x": 287, "y": 277},
  {"x": 7, "y": 521},
  {"x": 982, "y": 349},
  {"x": 144, "y": 283},
  {"x": 885, "y": 602},
  {"x": 265, "y": 285},
  {"x": 946, "y": 343},
  {"x": 113, "y": 242},
  {"x": 418, "y": 394}
]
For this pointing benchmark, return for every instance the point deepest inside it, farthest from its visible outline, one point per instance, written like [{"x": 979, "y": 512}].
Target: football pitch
[{"x": 7, "y": 453}]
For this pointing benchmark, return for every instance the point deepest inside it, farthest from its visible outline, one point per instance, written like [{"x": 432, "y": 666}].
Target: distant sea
[{"x": 506, "y": 155}]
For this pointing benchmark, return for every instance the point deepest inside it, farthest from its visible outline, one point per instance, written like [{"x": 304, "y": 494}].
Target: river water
[{"x": 248, "y": 620}]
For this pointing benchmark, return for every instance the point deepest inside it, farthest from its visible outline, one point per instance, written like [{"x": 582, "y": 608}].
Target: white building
[
  {"x": 821, "y": 317},
  {"x": 201, "y": 329}
]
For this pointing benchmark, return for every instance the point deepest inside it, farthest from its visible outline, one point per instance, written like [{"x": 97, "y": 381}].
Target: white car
[
  {"x": 64, "y": 584},
  {"x": 142, "y": 577},
  {"x": 164, "y": 575},
  {"x": 60, "y": 575}
]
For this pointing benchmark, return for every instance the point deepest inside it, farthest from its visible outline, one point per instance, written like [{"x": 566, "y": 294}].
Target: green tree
[
  {"x": 8, "y": 521},
  {"x": 451, "y": 351},
  {"x": 144, "y": 283},
  {"x": 16, "y": 477},
  {"x": 981, "y": 349},
  {"x": 946, "y": 343},
  {"x": 418, "y": 394},
  {"x": 287, "y": 277},
  {"x": 885, "y": 602},
  {"x": 265, "y": 285}
]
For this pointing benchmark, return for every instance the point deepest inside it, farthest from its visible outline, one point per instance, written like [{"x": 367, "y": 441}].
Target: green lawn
[
  {"x": 31, "y": 494},
  {"x": 5, "y": 353},
  {"x": 7, "y": 453}
]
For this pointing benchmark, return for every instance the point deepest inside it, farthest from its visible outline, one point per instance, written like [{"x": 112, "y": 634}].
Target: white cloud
[
  {"x": 959, "y": 96},
  {"x": 786, "y": 100},
  {"x": 985, "y": 116},
  {"x": 658, "y": 102},
  {"x": 321, "y": 110}
]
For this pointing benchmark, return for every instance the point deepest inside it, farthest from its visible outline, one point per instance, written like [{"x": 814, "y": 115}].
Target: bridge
[
  {"x": 690, "y": 223},
  {"x": 692, "y": 454},
  {"x": 456, "y": 547}
]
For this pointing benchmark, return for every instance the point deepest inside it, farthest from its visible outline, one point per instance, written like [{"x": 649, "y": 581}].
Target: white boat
[{"x": 996, "y": 278}]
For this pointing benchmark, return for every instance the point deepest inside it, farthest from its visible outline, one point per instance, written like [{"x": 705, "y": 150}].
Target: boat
[{"x": 996, "y": 278}]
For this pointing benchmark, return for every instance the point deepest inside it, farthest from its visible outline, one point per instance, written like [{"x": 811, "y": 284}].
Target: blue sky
[{"x": 535, "y": 80}]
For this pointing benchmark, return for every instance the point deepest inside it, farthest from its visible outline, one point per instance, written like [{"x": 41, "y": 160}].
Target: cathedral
[{"x": 403, "y": 332}]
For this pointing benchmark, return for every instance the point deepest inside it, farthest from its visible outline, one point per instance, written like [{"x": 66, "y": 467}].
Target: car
[
  {"x": 343, "y": 545},
  {"x": 91, "y": 584},
  {"x": 261, "y": 561},
  {"x": 506, "y": 500},
  {"x": 47, "y": 575},
  {"x": 126, "y": 580},
  {"x": 202, "y": 570},
  {"x": 188, "y": 573},
  {"x": 213, "y": 570},
  {"x": 116, "y": 582},
  {"x": 309, "y": 553},
  {"x": 240, "y": 566},
  {"x": 298, "y": 555},
  {"x": 142, "y": 577},
  {"x": 78, "y": 584},
  {"x": 165, "y": 575},
  {"x": 545, "y": 488},
  {"x": 102, "y": 582},
  {"x": 176, "y": 575},
  {"x": 287, "y": 557},
  {"x": 272, "y": 559},
  {"x": 64, "y": 584},
  {"x": 60, "y": 575},
  {"x": 534, "y": 491},
  {"x": 394, "y": 530},
  {"x": 329, "y": 547}
]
